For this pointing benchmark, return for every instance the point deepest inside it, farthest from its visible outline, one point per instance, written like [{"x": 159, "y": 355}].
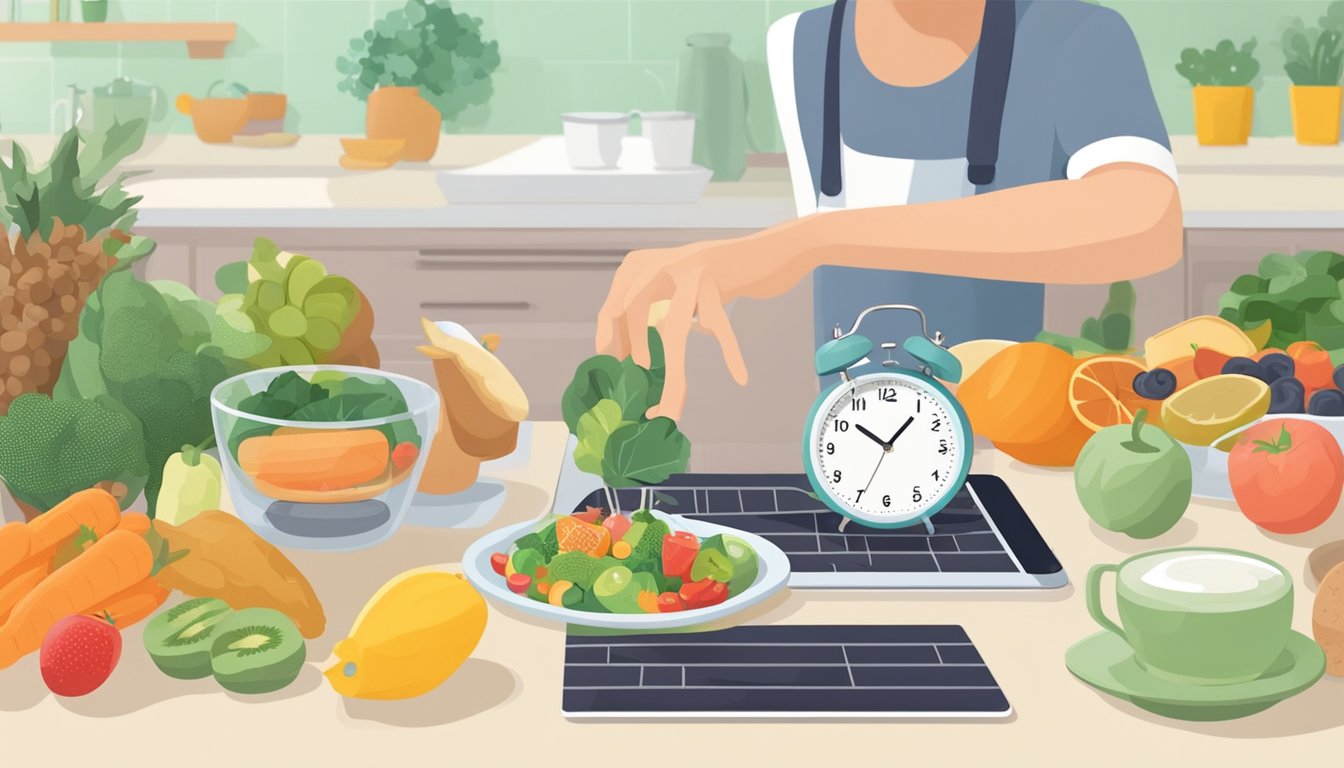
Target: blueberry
[
  {"x": 1276, "y": 366},
  {"x": 1244, "y": 366},
  {"x": 1327, "y": 402},
  {"x": 1157, "y": 384},
  {"x": 1287, "y": 395},
  {"x": 1339, "y": 377}
]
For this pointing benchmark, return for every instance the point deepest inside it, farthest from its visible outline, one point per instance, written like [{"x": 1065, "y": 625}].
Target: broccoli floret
[
  {"x": 65, "y": 446},
  {"x": 550, "y": 542},
  {"x": 650, "y": 546},
  {"x": 578, "y": 567}
]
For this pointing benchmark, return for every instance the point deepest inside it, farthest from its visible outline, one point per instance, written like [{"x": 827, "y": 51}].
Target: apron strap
[
  {"x": 989, "y": 91},
  {"x": 998, "y": 32},
  {"x": 831, "y": 183}
]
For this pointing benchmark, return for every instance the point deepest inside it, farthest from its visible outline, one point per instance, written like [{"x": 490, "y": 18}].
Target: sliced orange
[
  {"x": 574, "y": 535},
  {"x": 1101, "y": 392}
]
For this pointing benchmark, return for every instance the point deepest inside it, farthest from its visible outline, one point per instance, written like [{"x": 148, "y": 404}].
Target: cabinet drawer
[{"x": 490, "y": 287}]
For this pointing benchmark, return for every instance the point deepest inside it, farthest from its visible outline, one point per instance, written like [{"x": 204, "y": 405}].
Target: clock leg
[{"x": 844, "y": 522}]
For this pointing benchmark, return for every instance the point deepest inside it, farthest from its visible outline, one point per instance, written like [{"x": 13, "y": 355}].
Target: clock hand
[
  {"x": 899, "y": 432},
  {"x": 872, "y": 476},
  {"x": 870, "y": 435}
]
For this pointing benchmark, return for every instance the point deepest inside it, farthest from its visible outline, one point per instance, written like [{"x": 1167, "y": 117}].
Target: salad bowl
[
  {"x": 772, "y": 574},
  {"x": 1209, "y": 464}
]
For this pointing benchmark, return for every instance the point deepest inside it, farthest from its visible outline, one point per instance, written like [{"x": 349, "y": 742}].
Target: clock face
[{"x": 888, "y": 448}]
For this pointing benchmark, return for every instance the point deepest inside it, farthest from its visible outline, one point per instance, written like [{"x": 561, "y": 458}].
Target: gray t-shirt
[{"x": 1078, "y": 97}]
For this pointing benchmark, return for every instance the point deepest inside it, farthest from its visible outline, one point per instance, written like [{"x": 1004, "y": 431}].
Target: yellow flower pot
[
  {"x": 1316, "y": 111},
  {"x": 1223, "y": 113}
]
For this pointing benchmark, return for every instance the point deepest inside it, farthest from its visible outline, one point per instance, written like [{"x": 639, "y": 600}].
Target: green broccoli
[
  {"x": 550, "y": 542},
  {"x": 66, "y": 446},
  {"x": 578, "y": 567},
  {"x": 650, "y": 546}
]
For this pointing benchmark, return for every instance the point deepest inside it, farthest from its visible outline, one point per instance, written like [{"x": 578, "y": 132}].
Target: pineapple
[{"x": 53, "y": 224}]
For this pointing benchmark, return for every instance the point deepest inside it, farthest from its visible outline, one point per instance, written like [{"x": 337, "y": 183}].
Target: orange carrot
[
  {"x": 115, "y": 562},
  {"x": 14, "y": 543},
  {"x": 135, "y": 522},
  {"x": 14, "y": 590},
  {"x": 95, "y": 509},
  {"x": 133, "y": 604}
]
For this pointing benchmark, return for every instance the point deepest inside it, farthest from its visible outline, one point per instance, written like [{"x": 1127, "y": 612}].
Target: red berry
[{"x": 78, "y": 655}]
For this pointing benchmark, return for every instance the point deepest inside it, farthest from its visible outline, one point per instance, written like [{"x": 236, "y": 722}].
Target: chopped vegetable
[
  {"x": 315, "y": 460},
  {"x": 404, "y": 456},
  {"x": 498, "y": 561},
  {"x": 519, "y": 582},
  {"x": 589, "y": 515},
  {"x": 670, "y": 602},
  {"x": 704, "y": 593},
  {"x": 618, "y": 525},
  {"x": 679, "y": 553},
  {"x": 621, "y": 550},
  {"x": 712, "y": 564}
]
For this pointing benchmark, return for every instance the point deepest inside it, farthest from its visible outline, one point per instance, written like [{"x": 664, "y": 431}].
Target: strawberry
[{"x": 78, "y": 654}]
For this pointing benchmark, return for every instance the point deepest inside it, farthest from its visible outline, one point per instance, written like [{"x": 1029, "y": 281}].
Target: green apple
[{"x": 1134, "y": 479}]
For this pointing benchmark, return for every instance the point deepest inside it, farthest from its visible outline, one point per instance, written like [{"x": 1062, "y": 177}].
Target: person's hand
[{"x": 691, "y": 284}]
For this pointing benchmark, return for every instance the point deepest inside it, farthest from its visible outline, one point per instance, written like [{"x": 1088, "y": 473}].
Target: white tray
[{"x": 540, "y": 173}]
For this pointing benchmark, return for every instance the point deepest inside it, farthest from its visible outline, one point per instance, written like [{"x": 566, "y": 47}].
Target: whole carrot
[
  {"x": 94, "y": 509},
  {"x": 135, "y": 522},
  {"x": 133, "y": 604},
  {"x": 14, "y": 590},
  {"x": 114, "y": 563},
  {"x": 14, "y": 543}
]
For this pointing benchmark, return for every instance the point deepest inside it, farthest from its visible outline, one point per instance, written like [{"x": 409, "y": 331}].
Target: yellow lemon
[
  {"x": 411, "y": 636},
  {"x": 1212, "y": 407},
  {"x": 1259, "y": 335},
  {"x": 1180, "y": 341}
]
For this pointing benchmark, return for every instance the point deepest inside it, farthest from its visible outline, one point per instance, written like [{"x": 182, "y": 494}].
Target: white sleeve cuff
[{"x": 1122, "y": 149}]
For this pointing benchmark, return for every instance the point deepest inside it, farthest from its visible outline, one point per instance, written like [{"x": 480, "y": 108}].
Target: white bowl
[
  {"x": 772, "y": 574},
  {"x": 1210, "y": 464}
]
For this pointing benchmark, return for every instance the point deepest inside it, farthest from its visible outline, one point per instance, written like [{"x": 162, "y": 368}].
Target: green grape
[
  {"x": 271, "y": 296},
  {"x": 322, "y": 335},
  {"x": 301, "y": 278},
  {"x": 288, "y": 322}
]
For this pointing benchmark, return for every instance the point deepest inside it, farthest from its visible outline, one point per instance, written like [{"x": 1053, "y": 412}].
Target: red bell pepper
[
  {"x": 670, "y": 602},
  {"x": 703, "y": 593},
  {"x": 679, "y": 551}
]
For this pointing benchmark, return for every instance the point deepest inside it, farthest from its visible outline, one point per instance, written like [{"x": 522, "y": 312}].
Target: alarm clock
[{"x": 888, "y": 449}]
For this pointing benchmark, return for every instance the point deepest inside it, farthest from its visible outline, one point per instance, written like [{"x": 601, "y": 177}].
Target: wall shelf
[{"x": 205, "y": 40}]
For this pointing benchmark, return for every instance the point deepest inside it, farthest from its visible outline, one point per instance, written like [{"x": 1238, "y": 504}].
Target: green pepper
[{"x": 192, "y": 483}]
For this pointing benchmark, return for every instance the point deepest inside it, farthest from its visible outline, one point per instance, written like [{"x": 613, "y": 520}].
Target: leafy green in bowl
[{"x": 1301, "y": 296}]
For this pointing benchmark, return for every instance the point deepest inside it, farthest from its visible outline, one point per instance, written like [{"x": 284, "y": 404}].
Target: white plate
[
  {"x": 1210, "y": 464},
  {"x": 772, "y": 574}
]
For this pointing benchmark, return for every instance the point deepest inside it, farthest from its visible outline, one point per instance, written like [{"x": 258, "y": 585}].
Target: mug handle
[{"x": 1094, "y": 598}]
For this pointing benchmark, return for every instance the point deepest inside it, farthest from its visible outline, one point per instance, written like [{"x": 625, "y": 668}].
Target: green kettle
[{"x": 712, "y": 85}]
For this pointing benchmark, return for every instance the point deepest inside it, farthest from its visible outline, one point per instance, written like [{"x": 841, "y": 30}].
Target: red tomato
[
  {"x": 670, "y": 602},
  {"x": 589, "y": 515},
  {"x": 500, "y": 562},
  {"x": 404, "y": 456},
  {"x": 519, "y": 582},
  {"x": 1286, "y": 474}
]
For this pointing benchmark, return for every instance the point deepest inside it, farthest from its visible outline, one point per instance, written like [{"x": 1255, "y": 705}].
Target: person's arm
[{"x": 1121, "y": 221}]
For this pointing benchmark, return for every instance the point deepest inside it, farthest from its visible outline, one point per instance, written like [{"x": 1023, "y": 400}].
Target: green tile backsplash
[{"x": 558, "y": 55}]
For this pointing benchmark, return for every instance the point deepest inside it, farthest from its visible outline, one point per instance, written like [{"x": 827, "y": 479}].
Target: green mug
[{"x": 1199, "y": 615}]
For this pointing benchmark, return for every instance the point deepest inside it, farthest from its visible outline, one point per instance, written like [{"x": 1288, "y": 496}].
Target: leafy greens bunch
[
  {"x": 604, "y": 407},
  {"x": 1315, "y": 55},
  {"x": 1224, "y": 64},
  {"x": 1109, "y": 332},
  {"x": 146, "y": 346},
  {"x": 1300, "y": 296}
]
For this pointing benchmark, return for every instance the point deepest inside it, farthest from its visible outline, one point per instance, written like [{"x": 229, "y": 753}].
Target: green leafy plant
[
  {"x": 426, "y": 45},
  {"x": 1110, "y": 332},
  {"x": 67, "y": 188},
  {"x": 1224, "y": 64},
  {"x": 604, "y": 408},
  {"x": 1315, "y": 55},
  {"x": 1299, "y": 295}
]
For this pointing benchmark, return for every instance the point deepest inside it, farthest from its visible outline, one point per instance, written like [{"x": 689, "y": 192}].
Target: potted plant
[
  {"x": 417, "y": 67},
  {"x": 604, "y": 408},
  {"x": 1314, "y": 60},
  {"x": 1224, "y": 98}
]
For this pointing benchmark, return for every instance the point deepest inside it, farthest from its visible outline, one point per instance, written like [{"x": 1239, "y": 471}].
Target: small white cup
[
  {"x": 671, "y": 136},
  {"x": 593, "y": 139}
]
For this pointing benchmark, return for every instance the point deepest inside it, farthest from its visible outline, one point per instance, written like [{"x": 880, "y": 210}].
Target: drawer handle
[{"x": 514, "y": 306}]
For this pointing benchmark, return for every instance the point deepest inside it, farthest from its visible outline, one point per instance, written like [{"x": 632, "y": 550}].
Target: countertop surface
[
  {"x": 505, "y": 701},
  {"x": 1272, "y": 183}
]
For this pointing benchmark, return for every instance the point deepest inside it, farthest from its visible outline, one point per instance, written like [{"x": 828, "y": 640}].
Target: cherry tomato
[
  {"x": 670, "y": 602},
  {"x": 519, "y": 582},
  {"x": 499, "y": 561},
  {"x": 1286, "y": 474}
]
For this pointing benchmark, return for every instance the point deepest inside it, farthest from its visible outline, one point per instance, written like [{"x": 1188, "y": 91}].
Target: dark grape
[
  {"x": 1276, "y": 366},
  {"x": 1339, "y": 377},
  {"x": 1157, "y": 384},
  {"x": 1327, "y": 402},
  {"x": 1244, "y": 366},
  {"x": 1287, "y": 395}
]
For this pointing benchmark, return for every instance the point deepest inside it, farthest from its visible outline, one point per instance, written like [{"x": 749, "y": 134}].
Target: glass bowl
[{"x": 323, "y": 456}]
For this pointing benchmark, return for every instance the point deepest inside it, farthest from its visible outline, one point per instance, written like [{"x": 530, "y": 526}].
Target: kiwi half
[
  {"x": 257, "y": 650},
  {"x": 179, "y": 639}
]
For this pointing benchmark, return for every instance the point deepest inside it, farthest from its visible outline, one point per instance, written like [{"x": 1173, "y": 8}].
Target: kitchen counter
[
  {"x": 503, "y": 705},
  {"x": 1273, "y": 183}
]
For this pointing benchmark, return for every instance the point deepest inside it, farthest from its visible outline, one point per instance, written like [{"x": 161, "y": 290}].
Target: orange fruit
[
  {"x": 574, "y": 535},
  {"x": 1059, "y": 450},
  {"x": 1020, "y": 395},
  {"x": 1101, "y": 392}
]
